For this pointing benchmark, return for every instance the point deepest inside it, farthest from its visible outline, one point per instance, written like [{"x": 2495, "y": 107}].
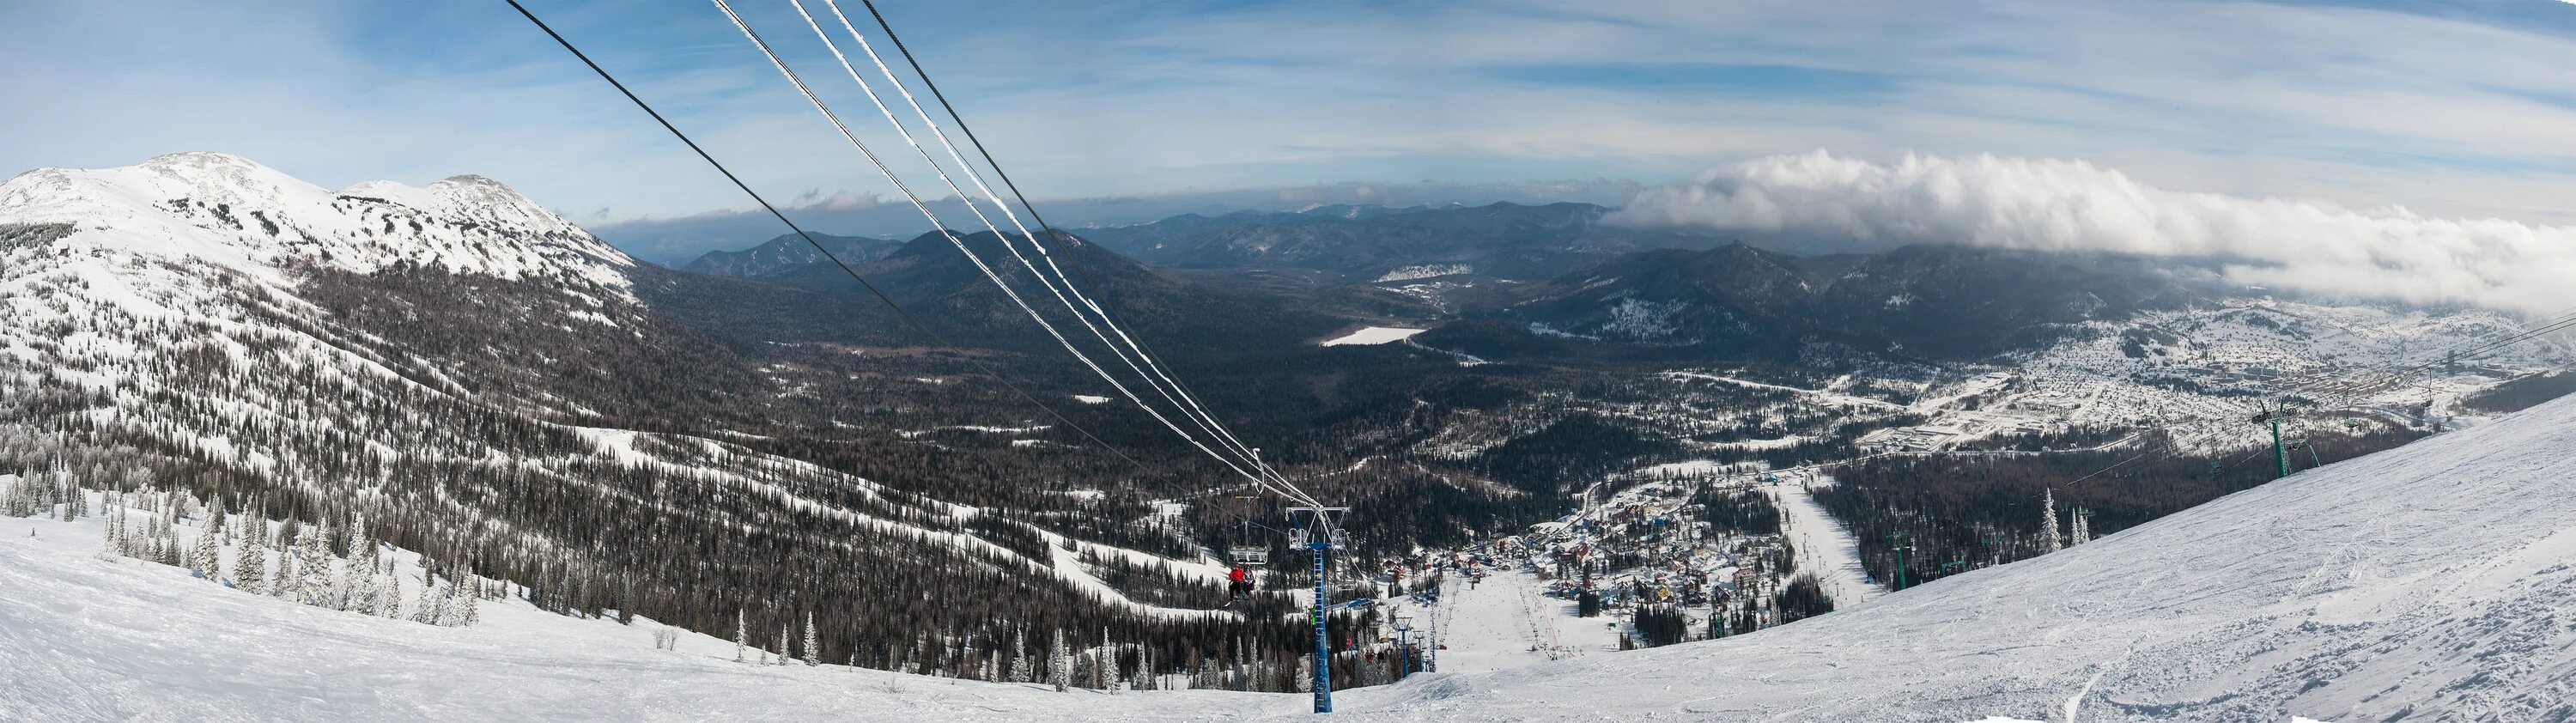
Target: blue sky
[{"x": 1117, "y": 112}]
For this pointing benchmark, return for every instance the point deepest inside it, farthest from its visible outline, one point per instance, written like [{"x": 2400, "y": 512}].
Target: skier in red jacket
[{"x": 1237, "y": 583}]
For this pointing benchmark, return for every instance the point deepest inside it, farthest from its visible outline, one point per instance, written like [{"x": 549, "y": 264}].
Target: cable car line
[
  {"x": 763, "y": 46},
  {"x": 1198, "y": 416},
  {"x": 1144, "y": 350},
  {"x": 900, "y": 312}
]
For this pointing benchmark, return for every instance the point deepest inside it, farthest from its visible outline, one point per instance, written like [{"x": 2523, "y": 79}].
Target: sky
[{"x": 1120, "y": 112}]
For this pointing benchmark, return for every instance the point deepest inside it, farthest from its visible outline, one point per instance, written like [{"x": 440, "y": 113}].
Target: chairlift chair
[{"x": 1249, "y": 555}]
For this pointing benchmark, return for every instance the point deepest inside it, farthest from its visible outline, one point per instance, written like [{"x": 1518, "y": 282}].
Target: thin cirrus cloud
[{"x": 2043, "y": 204}]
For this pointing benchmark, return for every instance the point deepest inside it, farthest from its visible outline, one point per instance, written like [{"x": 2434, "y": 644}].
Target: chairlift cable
[
  {"x": 900, "y": 312},
  {"x": 873, "y": 160},
  {"x": 1199, "y": 418}
]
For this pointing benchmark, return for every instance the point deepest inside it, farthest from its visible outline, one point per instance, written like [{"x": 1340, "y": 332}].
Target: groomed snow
[{"x": 1374, "y": 335}]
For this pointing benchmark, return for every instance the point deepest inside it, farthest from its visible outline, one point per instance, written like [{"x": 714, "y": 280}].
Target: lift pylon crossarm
[{"x": 1309, "y": 525}]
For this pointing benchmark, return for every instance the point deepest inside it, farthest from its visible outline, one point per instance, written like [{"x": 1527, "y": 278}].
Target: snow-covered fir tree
[
  {"x": 2048, "y": 520},
  {"x": 431, "y": 599},
  {"x": 464, "y": 609},
  {"x": 312, "y": 570},
  {"x": 113, "y": 546},
  {"x": 813, "y": 643},
  {"x": 250, "y": 559},
  {"x": 1108, "y": 667},
  {"x": 1019, "y": 672},
  {"x": 281, "y": 576},
  {"x": 388, "y": 593},
  {"x": 741, "y": 636},
  {"x": 207, "y": 560},
  {"x": 1059, "y": 664},
  {"x": 360, "y": 595}
]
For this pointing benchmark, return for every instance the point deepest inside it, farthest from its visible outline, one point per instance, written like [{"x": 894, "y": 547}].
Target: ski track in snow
[{"x": 1825, "y": 547}]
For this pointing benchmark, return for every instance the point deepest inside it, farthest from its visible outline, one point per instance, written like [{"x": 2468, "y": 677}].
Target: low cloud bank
[{"x": 2058, "y": 205}]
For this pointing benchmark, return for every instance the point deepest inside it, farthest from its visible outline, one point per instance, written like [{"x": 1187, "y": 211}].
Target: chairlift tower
[
  {"x": 1319, "y": 530},
  {"x": 1900, "y": 546},
  {"x": 2280, "y": 454},
  {"x": 1403, "y": 646}
]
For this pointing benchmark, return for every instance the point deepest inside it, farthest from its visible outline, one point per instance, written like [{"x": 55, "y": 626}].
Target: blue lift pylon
[{"x": 1319, "y": 530}]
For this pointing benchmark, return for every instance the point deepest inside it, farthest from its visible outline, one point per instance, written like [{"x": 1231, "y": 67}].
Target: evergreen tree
[
  {"x": 465, "y": 609},
  {"x": 360, "y": 595},
  {"x": 813, "y": 645},
  {"x": 2048, "y": 521},
  {"x": 250, "y": 560},
  {"x": 426, "y": 610},
  {"x": 1059, "y": 664},
  {"x": 313, "y": 580},
  {"x": 363, "y": 550},
  {"x": 1019, "y": 672},
  {"x": 114, "y": 545},
  {"x": 281, "y": 579},
  {"x": 388, "y": 592},
  {"x": 782, "y": 645},
  {"x": 207, "y": 560},
  {"x": 215, "y": 513},
  {"x": 741, "y": 636},
  {"x": 1108, "y": 672}
]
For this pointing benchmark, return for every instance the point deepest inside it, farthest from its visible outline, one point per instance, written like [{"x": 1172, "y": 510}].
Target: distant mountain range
[
  {"x": 1530, "y": 282},
  {"x": 1363, "y": 243},
  {"x": 789, "y": 251},
  {"x": 1946, "y": 302}
]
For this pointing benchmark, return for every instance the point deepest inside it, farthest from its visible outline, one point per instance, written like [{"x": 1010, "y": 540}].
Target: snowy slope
[
  {"x": 86, "y": 639},
  {"x": 2432, "y": 582},
  {"x": 2438, "y": 580}
]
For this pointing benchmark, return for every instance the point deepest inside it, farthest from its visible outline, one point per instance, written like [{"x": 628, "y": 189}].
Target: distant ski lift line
[
  {"x": 1274, "y": 482},
  {"x": 2565, "y": 318},
  {"x": 1189, "y": 407}
]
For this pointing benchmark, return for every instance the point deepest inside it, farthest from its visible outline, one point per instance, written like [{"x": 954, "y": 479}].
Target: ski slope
[
  {"x": 2432, "y": 582},
  {"x": 1824, "y": 546}
]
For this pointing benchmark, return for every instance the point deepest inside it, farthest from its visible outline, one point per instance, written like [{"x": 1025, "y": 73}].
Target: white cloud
[{"x": 2067, "y": 205}]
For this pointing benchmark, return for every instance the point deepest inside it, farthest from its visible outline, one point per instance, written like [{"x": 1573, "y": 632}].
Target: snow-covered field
[
  {"x": 1373, "y": 335},
  {"x": 2433, "y": 582}
]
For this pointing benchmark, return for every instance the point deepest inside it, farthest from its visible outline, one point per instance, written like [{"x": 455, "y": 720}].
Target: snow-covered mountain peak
[
  {"x": 234, "y": 212},
  {"x": 478, "y": 198}
]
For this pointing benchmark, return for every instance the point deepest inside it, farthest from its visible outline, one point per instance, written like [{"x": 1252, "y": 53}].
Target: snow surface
[
  {"x": 2436, "y": 581},
  {"x": 1374, "y": 335}
]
